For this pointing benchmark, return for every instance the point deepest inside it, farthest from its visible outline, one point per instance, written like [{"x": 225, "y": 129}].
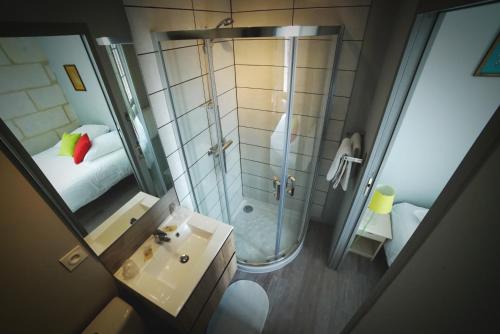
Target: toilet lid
[{"x": 243, "y": 309}]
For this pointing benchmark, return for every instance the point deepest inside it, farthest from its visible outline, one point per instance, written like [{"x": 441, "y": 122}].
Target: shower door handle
[
  {"x": 290, "y": 181},
  {"x": 277, "y": 188},
  {"x": 215, "y": 149}
]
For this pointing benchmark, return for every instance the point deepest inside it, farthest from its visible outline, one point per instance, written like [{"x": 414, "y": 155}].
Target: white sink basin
[
  {"x": 162, "y": 277},
  {"x": 113, "y": 227}
]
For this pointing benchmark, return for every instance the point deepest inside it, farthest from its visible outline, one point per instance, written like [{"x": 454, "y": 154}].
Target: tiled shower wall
[
  {"x": 187, "y": 72},
  {"x": 190, "y": 84}
]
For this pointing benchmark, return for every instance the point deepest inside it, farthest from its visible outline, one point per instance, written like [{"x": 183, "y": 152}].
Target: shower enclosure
[{"x": 249, "y": 108}]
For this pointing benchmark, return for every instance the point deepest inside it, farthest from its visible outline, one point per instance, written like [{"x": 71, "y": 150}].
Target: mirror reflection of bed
[
  {"x": 63, "y": 121},
  {"x": 99, "y": 185}
]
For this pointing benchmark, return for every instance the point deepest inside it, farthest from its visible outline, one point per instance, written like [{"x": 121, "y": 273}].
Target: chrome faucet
[{"x": 160, "y": 236}]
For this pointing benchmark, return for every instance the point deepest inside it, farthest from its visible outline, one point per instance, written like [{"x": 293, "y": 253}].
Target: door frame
[{"x": 413, "y": 55}]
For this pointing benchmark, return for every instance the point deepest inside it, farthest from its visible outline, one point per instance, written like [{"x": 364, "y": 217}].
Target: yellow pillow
[{"x": 68, "y": 143}]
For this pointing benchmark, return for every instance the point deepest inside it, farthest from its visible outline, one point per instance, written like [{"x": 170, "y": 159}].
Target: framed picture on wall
[
  {"x": 74, "y": 77},
  {"x": 490, "y": 65}
]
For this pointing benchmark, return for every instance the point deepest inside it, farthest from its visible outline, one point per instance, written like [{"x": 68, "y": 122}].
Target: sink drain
[
  {"x": 184, "y": 258},
  {"x": 248, "y": 208}
]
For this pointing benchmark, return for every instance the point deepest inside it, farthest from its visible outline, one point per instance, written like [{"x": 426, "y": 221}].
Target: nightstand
[{"x": 367, "y": 243}]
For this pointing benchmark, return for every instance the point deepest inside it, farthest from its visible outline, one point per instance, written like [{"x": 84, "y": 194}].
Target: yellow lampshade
[{"x": 382, "y": 200}]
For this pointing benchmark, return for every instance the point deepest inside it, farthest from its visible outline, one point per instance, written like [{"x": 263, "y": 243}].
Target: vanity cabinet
[
  {"x": 194, "y": 316},
  {"x": 202, "y": 302}
]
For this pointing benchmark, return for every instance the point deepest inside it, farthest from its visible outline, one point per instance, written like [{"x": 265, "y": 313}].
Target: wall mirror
[{"x": 102, "y": 169}]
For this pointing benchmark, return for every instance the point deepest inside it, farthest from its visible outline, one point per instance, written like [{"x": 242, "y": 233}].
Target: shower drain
[{"x": 248, "y": 208}]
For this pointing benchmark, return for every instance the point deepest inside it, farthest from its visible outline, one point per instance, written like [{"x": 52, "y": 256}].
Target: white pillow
[
  {"x": 420, "y": 213},
  {"x": 102, "y": 145},
  {"x": 92, "y": 130}
]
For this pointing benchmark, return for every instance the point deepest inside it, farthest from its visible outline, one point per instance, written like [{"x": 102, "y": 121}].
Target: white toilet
[{"x": 117, "y": 317}]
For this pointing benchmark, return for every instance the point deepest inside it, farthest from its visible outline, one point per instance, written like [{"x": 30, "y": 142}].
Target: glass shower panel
[
  {"x": 196, "y": 182},
  {"x": 314, "y": 61},
  {"x": 262, "y": 83}
]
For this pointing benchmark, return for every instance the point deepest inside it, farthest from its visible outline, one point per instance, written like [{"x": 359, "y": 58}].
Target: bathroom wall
[
  {"x": 38, "y": 294},
  {"x": 32, "y": 103},
  {"x": 440, "y": 124},
  {"x": 191, "y": 84},
  {"x": 90, "y": 105},
  {"x": 187, "y": 72}
]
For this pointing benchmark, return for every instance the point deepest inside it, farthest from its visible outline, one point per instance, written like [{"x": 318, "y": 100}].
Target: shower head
[{"x": 225, "y": 22}]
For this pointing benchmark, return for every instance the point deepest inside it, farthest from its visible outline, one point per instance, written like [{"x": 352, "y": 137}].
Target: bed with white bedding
[
  {"x": 405, "y": 218},
  {"x": 79, "y": 184}
]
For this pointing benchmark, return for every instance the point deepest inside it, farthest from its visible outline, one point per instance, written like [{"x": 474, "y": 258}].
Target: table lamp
[{"x": 381, "y": 202}]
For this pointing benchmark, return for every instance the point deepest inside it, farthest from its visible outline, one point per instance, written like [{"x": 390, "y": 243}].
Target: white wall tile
[
  {"x": 316, "y": 211},
  {"x": 227, "y": 102},
  {"x": 318, "y": 197},
  {"x": 208, "y": 20},
  {"x": 15, "y": 105},
  {"x": 260, "y": 119},
  {"x": 343, "y": 83},
  {"x": 159, "y": 3},
  {"x": 176, "y": 164},
  {"x": 329, "y": 149},
  {"x": 188, "y": 95},
  {"x": 262, "y": 99},
  {"x": 182, "y": 64},
  {"x": 354, "y": 19},
  {"x": 321, "y": 184},
  {"x": 158, "y": 103},
  {"x": 314, "y": 53},
  {"x": 334, "y": 130},
  {"x": 229, "y": 122},
  {"x": 208, "y": 203},
  {"x": 263, "y": 18},
  {"x": 188, "y": 202},
  {"x": 192, "y": 123},
  {"x": 219, "y": 5},
  {"x": 244, "y": 5},
  {"x": 327, "y": 3},
  {"x": 144, "y": 20},
  {"x": 150, "y": 72},
  {"x": 339, "y": 107},
  {"x": 324, "y": 166},
  {"x": 222, "y": 54},
  {"x": 38, "y": 123},
  {"x": 47, "y": 97},
  {"x": 257, "y": 194},
  {"x": 349, "y": 55},
  {"x": 308, "y": 104},
  {"x": 167, "y": 138},
  {"x": 182, "y": 186},
  {"x": 206, "y": 186},
  {"x": 17, "y": 77},
  {"x": 258, "y": 182},
  {"x": 260, "y": 52},
  {"x": 201, "y": 168},
  {"x": 311, "y": 80},
  {"x": 224, "y": 79},
  {"x": 197, "y": 147},
  {"x": 267, "y": 77}
]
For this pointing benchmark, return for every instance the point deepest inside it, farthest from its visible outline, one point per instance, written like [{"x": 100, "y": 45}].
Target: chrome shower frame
[{"x": 294, "y": 33}]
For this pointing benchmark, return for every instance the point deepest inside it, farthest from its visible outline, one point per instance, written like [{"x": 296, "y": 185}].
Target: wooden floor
[
  {"x": 308, "y": 297},
  {"x": 94, "y": 213}
]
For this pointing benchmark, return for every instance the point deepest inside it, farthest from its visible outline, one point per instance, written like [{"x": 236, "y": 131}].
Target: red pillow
[{"x": 81, "y": 148}]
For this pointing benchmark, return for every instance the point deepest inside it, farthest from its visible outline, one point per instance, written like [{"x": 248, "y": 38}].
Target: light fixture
[{"x": 381, "y": 202}]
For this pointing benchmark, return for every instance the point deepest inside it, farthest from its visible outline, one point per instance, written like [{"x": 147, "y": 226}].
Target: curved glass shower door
[{"x": 251, "y": 144}]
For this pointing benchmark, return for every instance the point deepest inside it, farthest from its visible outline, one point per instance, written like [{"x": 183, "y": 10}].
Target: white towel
[
  {"x": 338, "y": 164},
  {"x": 356, "y": 151}
]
